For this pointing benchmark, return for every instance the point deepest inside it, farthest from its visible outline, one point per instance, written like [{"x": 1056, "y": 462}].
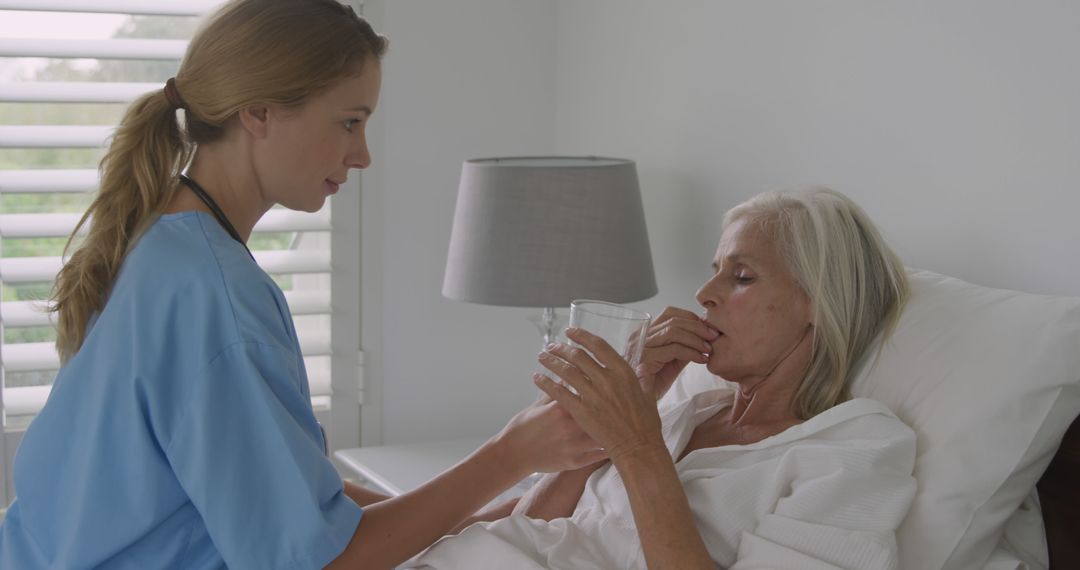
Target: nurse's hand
[
  {"x": 674, "y": 339},
  {"x": 544, "y": 437},
  {"x": 610, "y": 404}
]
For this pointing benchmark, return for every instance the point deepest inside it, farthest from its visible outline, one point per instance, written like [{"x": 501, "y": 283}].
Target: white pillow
[
  {"x": 1023, "y": 545},
  {"x": 990, "y": 380}
]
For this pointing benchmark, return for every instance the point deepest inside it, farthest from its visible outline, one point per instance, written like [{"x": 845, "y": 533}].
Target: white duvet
[{"x": 828, "y": 493}]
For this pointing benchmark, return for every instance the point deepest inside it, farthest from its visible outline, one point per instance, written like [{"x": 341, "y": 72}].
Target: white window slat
[
  {"x": 315, "y": 343},
  {"x": 61, "y": 225},
  {"x": 54, "y": 136},
  {"x": 44, "y": 269},
  {"x": 318, "y": 371},
  {"x": 25, "y": 314},
  {"x": 20, "y": 314},
  {"x": 30, "y": 357},
  {"x": 25, "y": 400},
  {"x": 280, "y": 220},
  {"x": 73, "y": 92},
  {"x": 28, "y": 400},
  {"x": 37, "y": 225},
  {"x": 315, "y": 302},
  {"x": 141, "y": 7},
  {"x": 94, "y": 49},
  {"x": 15, "y": 270},
  {"x": 48, "y": 180},
  {"x": 279, "y": 262},
  {"x": 320, "y": 403},
  {"x": 36, "y": 356}
]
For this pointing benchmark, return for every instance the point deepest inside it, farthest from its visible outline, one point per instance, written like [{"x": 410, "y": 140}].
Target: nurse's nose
[{"x": 359, "y": 156}]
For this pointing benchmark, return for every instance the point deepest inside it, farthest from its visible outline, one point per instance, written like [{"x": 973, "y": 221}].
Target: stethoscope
[
  {"x": 215, "y": 210},
  {"x": 225, "y": 223}
]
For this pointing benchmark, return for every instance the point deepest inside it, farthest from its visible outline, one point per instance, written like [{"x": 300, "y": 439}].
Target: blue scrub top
[{"x": 181, "y": 434}]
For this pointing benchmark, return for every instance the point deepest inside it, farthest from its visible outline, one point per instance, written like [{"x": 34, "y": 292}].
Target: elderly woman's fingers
[
  {"x": 675, "y": 313},
  {"x": 673, "y": 333},
  {"x": 693, "y": 326},
  {"x": 618, "y": 419},
  {"x": 600, "y": 349},
  {"x": 571, "y": 374},
  {"x": 577, "y": 357},
  {"x": 559, "y": 393},
  {"x": 670, "y": 312},
  {"x": 676, "y": 352}
]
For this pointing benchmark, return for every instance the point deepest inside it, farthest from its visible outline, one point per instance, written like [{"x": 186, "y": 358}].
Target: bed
[
  {"x": 1059, "y": 494},
  {"x": 989, "y": 380}
]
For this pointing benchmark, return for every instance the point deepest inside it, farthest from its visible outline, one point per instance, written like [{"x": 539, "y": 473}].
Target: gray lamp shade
[{"x": 543, "y": 231}]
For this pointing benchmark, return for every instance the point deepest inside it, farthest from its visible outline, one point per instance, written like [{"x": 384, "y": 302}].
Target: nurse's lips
[{"x": 332, "y": 186}]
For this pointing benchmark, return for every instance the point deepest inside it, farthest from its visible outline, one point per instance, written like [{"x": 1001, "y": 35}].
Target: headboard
[{"x": 1059, "y": 497}]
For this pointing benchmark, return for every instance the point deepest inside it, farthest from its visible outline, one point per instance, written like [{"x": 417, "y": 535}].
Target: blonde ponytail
[
  {"x": 138, "y": 179},
  {"x": 250, "y": 52}
]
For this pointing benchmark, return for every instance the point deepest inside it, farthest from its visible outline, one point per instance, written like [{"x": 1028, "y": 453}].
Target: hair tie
[{"x": 171, "y": 93}]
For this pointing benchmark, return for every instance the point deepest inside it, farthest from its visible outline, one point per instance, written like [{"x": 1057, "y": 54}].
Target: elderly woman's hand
[
  {"x": 674, "y": 339},
  {"x": 610, "y": 405}
]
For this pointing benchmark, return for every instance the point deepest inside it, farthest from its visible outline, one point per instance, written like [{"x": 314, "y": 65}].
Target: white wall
[
  {"x": 954, "y": 124},
  {"x": 463, "y": 79}
]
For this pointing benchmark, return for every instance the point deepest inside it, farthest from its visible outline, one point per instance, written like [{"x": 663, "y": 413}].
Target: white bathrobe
[{"x": 828, "y": 493}]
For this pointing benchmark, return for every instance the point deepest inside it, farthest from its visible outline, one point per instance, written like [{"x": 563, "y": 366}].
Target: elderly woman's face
[{"x": 755, "y": 303}]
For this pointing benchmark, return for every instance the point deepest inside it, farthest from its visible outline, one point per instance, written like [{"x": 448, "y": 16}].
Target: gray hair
[{"x": 855, "y": 282}]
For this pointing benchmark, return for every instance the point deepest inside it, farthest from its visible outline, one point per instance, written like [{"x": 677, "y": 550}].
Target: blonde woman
[
  {"x": 179, "y": 432},
  {"x": 778, "y": 467}
]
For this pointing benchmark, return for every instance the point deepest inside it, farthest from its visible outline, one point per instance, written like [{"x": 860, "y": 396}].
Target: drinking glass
[{"x": 622, "y": 327}]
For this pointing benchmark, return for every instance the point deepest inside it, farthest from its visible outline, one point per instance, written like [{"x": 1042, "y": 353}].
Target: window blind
[{"x": 42, "y": 195}]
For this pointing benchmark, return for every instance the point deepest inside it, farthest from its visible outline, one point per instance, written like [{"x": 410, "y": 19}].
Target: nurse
[{"x": 179, "y": 432}]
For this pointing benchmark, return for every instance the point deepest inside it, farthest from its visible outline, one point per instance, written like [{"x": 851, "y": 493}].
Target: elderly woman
[{"x": 777, "y": 467}]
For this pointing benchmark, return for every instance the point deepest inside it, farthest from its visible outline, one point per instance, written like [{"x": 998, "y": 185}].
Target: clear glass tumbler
[{"x": 622, "y": 327}]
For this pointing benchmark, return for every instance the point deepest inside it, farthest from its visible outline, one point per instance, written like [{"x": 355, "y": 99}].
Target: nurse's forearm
[
  {"x": 362, "y": 495},
  {"x": 556, "y": 495},
  {"x": 665, "y": 523},
  {"x": 396, "y": 529},
  {"x": 501, "y": 510}
]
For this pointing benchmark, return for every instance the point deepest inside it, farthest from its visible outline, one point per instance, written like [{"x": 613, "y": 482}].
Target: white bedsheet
[{"x": 828, "y": 493}]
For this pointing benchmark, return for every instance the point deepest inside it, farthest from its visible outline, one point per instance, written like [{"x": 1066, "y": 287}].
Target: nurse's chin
[{"x": 310, "y": 206}]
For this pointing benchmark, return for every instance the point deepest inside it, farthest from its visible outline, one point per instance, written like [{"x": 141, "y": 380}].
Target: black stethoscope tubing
[{"x": 215, "y": 210}]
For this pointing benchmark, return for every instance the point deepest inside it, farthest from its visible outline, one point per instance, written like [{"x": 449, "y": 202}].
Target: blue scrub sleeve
[{"x": 249, "y": 454}]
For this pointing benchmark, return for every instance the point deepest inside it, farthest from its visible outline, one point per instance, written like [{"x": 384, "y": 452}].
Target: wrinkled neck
[{"x": 769, "y": 398}]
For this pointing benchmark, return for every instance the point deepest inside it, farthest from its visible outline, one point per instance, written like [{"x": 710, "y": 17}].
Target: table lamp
[{"x": 541, "y": 231}]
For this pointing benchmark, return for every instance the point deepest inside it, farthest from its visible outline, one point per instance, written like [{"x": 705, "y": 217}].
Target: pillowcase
[
  {"x": 989, "y": 379},
  {"x": 1023, "y": 545}
]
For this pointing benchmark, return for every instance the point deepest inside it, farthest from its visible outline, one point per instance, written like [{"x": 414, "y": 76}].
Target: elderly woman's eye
[{"x": 743, "y": 278}]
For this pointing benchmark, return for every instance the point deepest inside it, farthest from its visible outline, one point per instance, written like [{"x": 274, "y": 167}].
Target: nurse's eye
[{"x": 349, "y": 124}]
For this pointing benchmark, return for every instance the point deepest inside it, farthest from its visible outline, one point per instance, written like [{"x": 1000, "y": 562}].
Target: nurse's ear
[{"x": 255, "y": 119}]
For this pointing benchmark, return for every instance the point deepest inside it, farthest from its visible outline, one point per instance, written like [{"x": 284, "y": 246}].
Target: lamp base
[{"x": 550, "y": 324}]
